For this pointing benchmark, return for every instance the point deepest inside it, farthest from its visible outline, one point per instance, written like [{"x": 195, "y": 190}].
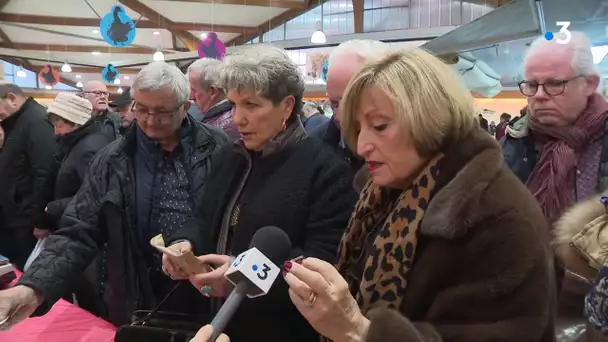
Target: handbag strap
[{"x": 158, "y": 307}]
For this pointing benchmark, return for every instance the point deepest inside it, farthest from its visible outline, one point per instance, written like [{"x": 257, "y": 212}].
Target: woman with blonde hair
[{"x": 433, "y": 251}]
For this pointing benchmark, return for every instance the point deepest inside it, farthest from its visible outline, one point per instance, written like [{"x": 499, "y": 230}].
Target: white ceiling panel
[
  {"x": 223, "y": 36},
  {"x": 143, "y": 37},
  {"x": 237, "y": 15},
  {"x": 64, "y": 8}
]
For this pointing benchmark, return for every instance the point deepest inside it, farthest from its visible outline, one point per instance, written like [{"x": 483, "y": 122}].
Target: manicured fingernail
[{"x": 287, "y": 265}]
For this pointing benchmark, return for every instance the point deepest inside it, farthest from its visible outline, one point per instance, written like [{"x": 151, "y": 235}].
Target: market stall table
[{"x": 65, "y": 322}]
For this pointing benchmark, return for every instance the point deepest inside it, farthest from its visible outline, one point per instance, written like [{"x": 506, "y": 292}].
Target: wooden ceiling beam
[
  {"x": 77, "y": 48},
  {"x": 61, "y": 21},
  {"x": 93, "y": 22},
  {"x": 290, "y": 4},
  {"x": 212, "y": 27},
  {"x": 191, "y": 41},
  {"x": 8, "y": 42}
]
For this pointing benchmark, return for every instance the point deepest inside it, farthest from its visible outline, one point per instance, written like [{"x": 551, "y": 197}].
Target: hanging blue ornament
[
  {"x": 324, "y": 71},
  {"x": 117, "y": 28},
  {"x": 109, "y": 73}
]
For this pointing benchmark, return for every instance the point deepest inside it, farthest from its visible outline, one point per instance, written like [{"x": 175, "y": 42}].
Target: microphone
[{"x": 253, "y": 272}]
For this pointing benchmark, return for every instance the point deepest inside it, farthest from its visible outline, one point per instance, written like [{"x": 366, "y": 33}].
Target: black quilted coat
[{"x": 103, "y": 211}]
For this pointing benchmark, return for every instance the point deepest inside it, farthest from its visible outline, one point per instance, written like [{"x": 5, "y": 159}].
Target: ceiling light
[
  {"x": 318, "y": 37},
  {"x": 117, "y": 80},
  {"x": 78, "y": 76},
  {"x": 96, "y": 53},
  {"x": 79, "y": 84},
  {"x": 203, "y": 35},
  {"x": 156, "y": 33},
  {"x": 66, "y": 67},
  {"x": 119, "y": 90},
  {"x": 95, "y": 31},
  {"x": 127, "y": 77},
  {"x": 158, "y": 56},
  {"x": 48, "y": 87},
  {"x": 21, "y": 73}
]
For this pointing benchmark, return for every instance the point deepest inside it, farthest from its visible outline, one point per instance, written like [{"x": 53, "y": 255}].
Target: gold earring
[{"x": 284, "y": 125}]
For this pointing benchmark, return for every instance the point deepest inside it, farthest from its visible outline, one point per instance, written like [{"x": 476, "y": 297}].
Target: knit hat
[{"x": 72, "y": 108}]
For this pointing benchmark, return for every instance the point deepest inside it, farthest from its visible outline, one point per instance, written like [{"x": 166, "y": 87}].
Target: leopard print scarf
[{"x": 394, "y": 218}]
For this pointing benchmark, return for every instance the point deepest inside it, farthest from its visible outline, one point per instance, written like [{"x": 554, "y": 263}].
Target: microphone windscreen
[{"x": 273, "y": 243}]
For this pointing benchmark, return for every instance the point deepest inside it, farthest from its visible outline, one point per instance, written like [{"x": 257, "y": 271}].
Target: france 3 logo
[
  {"x": 260, "y": 271},
  {"x": 563, "y": 36}
]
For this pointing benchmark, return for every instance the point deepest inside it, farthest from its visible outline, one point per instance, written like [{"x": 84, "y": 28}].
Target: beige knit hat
[{"x": 72, "y": 108}]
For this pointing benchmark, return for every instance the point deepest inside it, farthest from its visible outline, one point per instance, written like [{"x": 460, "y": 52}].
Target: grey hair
[
  {"x": 161, "y": 75},
  {"x": 266, "y": 70},
  {"x": 208, "y": 71},
  {"x": 363, "y": 48},
  {"x": 582, "y": 58}
]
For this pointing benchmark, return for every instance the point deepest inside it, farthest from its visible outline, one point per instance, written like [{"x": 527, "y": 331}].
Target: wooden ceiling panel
[
  {"x": 188, "y": 38},
  {"x": 289, "y": 4},
  {"x": 69, "y": 8},
  {"x": 215, "y": 13}
]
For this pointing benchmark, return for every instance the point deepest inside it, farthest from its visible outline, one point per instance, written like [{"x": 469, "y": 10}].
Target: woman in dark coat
[
  {"x": 273, "y": 176},
  {"x": 432, "y": 253},
  {"x": 79, "y": 140}
]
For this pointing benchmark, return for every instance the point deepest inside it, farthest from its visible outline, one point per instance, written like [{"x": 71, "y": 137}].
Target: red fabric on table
[{"x": 65, "y": 322}]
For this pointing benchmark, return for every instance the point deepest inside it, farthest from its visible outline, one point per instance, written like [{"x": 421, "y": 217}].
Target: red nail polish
[{"x": 287, "y": 265}]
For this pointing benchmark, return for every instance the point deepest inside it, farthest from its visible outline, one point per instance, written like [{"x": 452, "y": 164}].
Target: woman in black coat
[
  {"x": 273, "y": 176},
  {"x": 79, "y": 140}
]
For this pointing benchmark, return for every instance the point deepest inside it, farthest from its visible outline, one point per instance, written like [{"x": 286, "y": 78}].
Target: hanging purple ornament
[{"x": 212, "y": 47}]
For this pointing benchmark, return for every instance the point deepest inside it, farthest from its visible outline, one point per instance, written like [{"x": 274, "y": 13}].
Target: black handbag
[{"x": 159, "y": 326}]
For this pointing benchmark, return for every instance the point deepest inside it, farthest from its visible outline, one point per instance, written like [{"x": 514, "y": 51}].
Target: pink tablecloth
[{"x": 65, "y": 322}]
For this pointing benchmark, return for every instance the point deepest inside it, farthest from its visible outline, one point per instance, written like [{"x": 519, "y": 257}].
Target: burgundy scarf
[{"x": 554, "y": 174}]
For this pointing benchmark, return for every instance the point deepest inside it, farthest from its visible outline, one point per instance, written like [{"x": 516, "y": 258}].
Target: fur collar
[
  {"x": 467, "y": 170},
  {"x": 575, "y": 219}
]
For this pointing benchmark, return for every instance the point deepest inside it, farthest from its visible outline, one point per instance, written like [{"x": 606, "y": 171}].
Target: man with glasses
[
  {"x": 145, "y": 184},
  {"x": 97, "y": 93},
  {"x": 559, "y": 150}
]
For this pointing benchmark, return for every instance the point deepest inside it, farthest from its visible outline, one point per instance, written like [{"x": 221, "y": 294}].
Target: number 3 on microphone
[
  {"x": 263, "y": 274},
  {"x": 566, "y": 34}
]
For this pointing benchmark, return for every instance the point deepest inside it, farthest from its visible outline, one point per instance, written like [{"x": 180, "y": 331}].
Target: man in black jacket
[
  {"x": 26, "y": 172},
  {"x": 144, "y": 184}
]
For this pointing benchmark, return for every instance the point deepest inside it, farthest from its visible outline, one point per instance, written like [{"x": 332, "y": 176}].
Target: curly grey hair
[{"x": 266, "y": 70}]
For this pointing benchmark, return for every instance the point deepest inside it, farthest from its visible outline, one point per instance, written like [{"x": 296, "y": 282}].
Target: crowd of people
[{"x": 415, "y": 224}]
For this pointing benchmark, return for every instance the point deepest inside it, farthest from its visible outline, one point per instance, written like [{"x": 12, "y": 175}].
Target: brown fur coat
[{"x": 483, "y": 269}]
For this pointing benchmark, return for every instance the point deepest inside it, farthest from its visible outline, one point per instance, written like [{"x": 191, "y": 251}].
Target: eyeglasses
[
  {"x": 160, "y": 116},
  {"x": 552, "y": 87},
  {"x": 97, "y": 93}
]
